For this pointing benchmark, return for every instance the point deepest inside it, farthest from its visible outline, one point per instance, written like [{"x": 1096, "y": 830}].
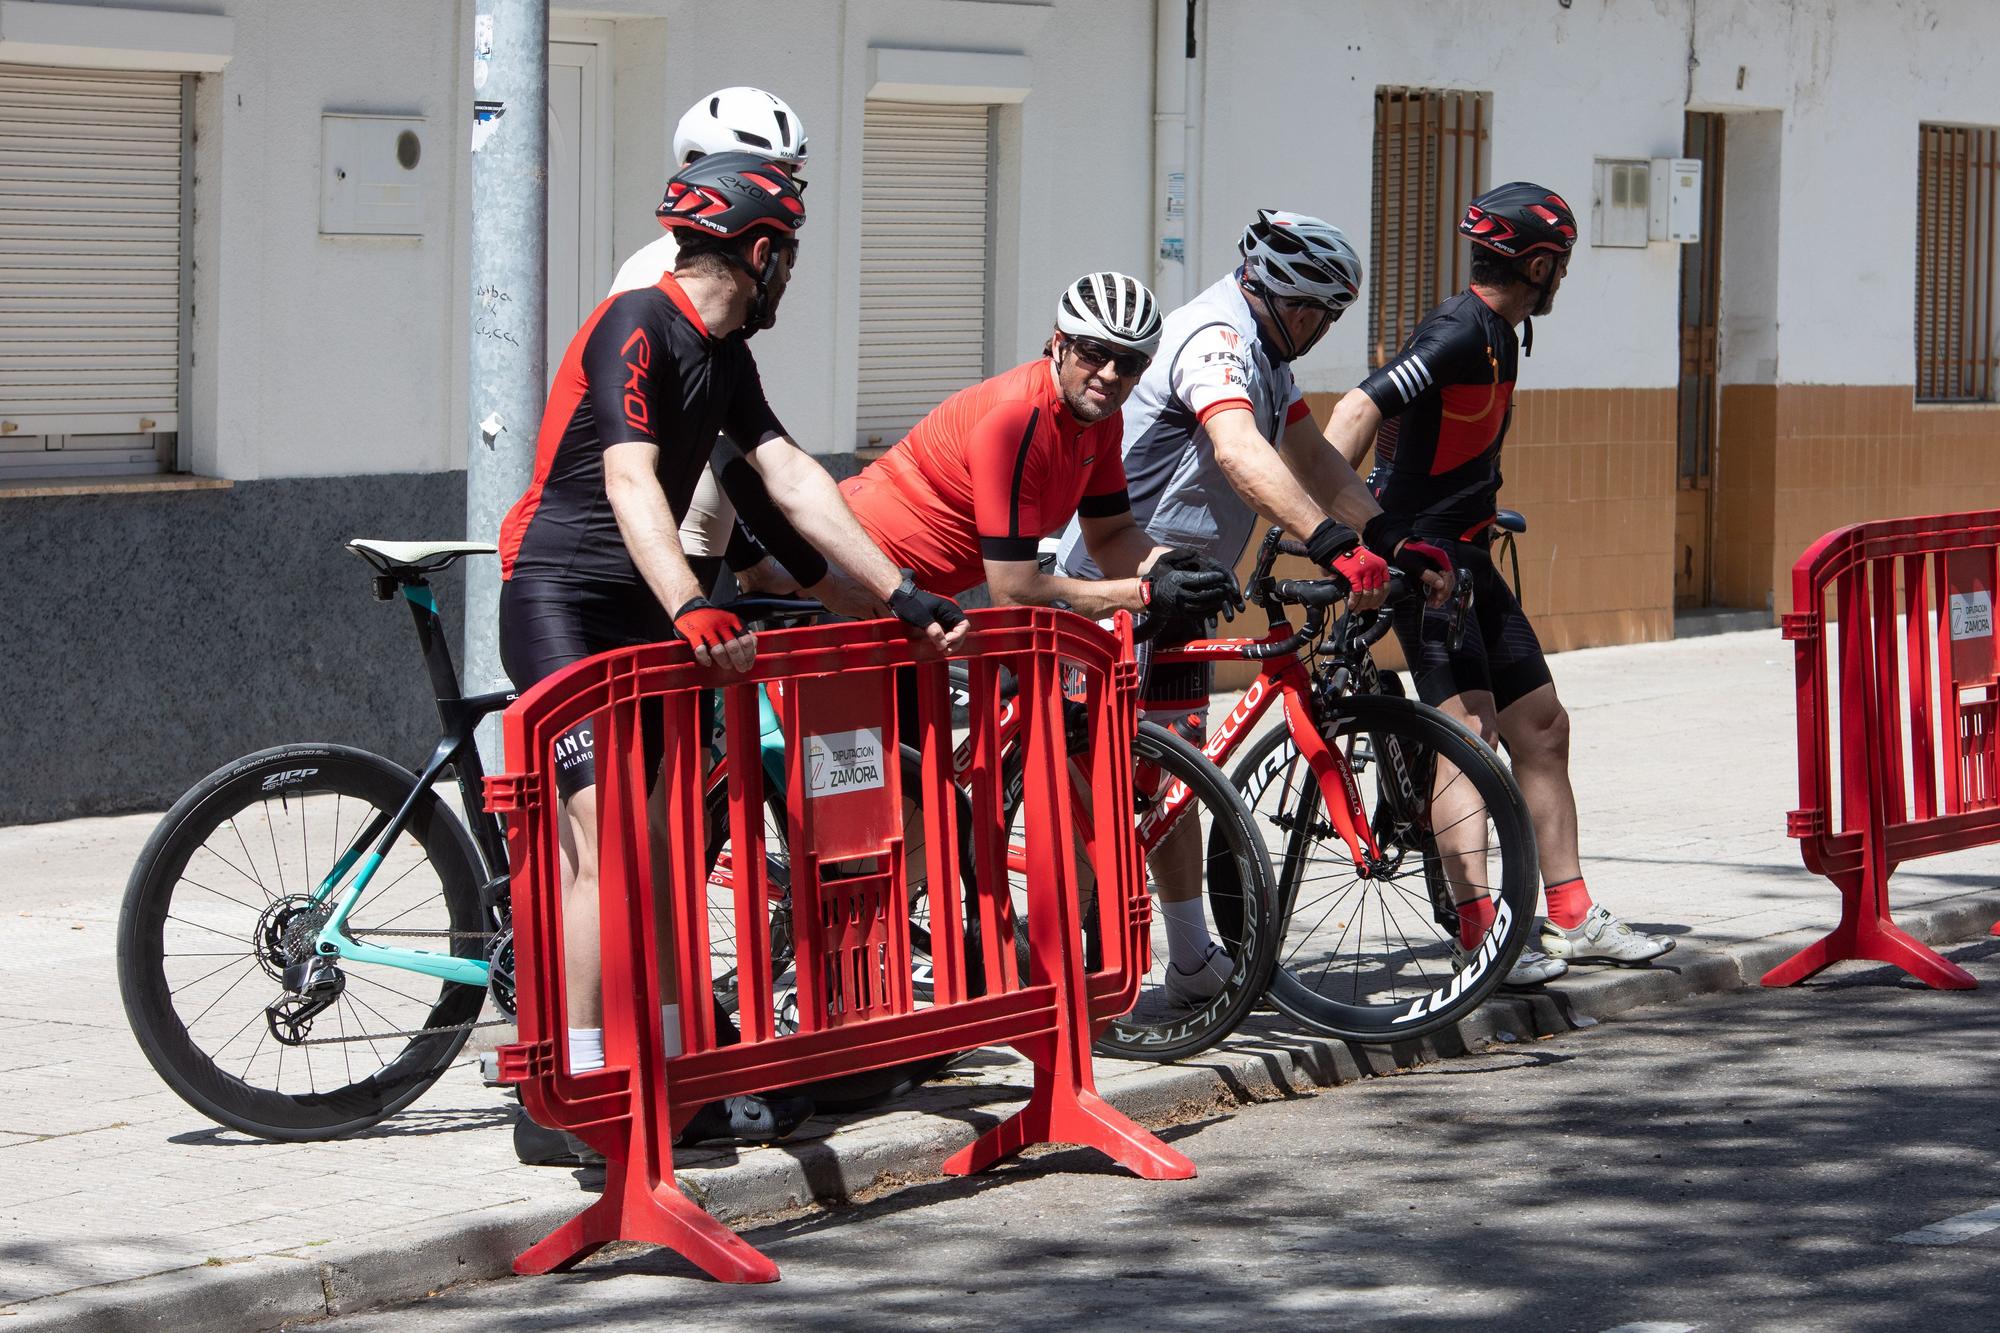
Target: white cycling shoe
[
  {"x": 1533, "y": 968},
  {"x": 1602, "y": 938},
  {"x": 1191, "y": 990}
]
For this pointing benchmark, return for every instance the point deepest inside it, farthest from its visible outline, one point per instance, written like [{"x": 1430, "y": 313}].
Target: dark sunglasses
[
  {"x": 1287, "y": 305},
  {"x": 1093, "y": 354}
]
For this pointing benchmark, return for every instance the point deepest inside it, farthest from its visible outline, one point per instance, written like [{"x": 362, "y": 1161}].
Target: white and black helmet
[
  {"x": 741, "y": 120},
  {"x": 1113, "y": 309},
  {"x": 1290, "y": 254}
]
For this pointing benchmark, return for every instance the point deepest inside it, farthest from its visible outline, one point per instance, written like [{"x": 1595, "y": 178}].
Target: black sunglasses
[{"x": 1094, "y": 354}]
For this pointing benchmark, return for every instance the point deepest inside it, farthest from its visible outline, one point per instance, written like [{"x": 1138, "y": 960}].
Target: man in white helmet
[
  {"x": 1216, "y": 434},
  {"x": 728, "y": 120}
]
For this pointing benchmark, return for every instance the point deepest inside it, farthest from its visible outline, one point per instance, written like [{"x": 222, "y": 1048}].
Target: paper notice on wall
[
  {"x": 485, "y": 118},
  {"x": 1969, "y": 607},
  {"x": 482, "y": 50}
]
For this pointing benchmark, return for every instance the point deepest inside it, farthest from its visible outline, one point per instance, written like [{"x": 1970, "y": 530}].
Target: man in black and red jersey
[
  {"x": 1436, "y": 415},
  {"x": 590, "y": 555}
]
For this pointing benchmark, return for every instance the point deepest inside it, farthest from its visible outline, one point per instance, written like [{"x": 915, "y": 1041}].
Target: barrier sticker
[
  {"x": 844, "y": 761},
  {"x": 1971, "y": 615}
]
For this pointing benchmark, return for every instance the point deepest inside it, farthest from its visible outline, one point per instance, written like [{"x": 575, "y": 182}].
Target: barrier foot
[
  {"x": 1881, "y": 941},
  {"x": 1059, "y": 1114},
  {"x": 659, "y": 1216}
]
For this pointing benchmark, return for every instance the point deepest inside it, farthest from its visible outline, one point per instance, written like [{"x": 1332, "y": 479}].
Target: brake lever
[{"x": 1461, "y": 600}]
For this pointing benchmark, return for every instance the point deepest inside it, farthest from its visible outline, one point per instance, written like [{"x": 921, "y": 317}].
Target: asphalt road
[{"x": 1822, "y": 1158}]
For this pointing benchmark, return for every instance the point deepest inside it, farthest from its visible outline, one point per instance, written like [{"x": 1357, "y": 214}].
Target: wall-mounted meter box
[
  {"x": 373, "y": 175},
  {"x": 1676, "y": 200},
  {"x": 1618, "y": 209}
]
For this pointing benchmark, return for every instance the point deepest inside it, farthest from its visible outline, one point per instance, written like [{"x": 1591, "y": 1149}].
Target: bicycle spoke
[
  {"x": 176, "y": 990},
  {"x": 210, "y": 929},
  {"x": 263, "y": 888},
  {"x": 277, "y": 862},
  {"x": 353, "y": 975},
  {"x": 249, "y": 972}
]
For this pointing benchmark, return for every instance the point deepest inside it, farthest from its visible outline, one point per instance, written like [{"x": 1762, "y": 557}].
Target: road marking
[
  {"x": 1652, "y": 1328},
  {"x": 1953, "y": 1229}
]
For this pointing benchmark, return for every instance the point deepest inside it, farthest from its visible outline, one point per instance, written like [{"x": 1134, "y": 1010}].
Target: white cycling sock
[
  {"x": 670, "y": 1029},
  {"x": 1187, "y": 933},
  {"x": 586, "y": 1049}
]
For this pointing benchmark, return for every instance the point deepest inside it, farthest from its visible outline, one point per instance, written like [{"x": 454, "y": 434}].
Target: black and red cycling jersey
[
  {"x": 1446, "y": 399},
  {"x": 642, "y": 368}
]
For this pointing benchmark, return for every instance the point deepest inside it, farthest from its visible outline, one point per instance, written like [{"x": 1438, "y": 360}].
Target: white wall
[{"x": 325, "y": 356}]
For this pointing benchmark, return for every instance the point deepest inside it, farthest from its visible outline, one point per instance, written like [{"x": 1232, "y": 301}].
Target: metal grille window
[
  {"x": 91, "y": 222},
  {"x": 1430, "y": 160},
  {"x": 1955, "y": 210},
  {"x": 925, "y": 229}
]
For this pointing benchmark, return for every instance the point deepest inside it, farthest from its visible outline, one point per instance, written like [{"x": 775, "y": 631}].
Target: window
[
  {"x": 925, "y": 238},
  {"x": 1430, "y": 160},
  {"x": 91, "y": 259},
  {"x": 1955, "y": 207}
]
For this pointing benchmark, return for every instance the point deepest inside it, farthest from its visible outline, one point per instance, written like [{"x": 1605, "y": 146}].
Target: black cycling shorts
[
  {"x": 1498, "y": 652},
  {"x": 1175, "y": 696},
  {"x": 546, "y": 624}
]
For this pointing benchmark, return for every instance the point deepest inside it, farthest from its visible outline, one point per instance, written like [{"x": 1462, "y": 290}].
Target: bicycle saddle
[
  {"x": 415, "y": 558},
  {"x": 1510, "y": 520}
]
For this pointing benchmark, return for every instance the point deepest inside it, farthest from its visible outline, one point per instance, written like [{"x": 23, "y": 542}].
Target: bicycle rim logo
[{"x": 1466, "y": 976}]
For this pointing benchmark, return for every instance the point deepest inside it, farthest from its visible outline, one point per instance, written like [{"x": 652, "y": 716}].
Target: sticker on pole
[
  {"x": 1971, "y": 615},
  {"x": 838, "y": 762}
]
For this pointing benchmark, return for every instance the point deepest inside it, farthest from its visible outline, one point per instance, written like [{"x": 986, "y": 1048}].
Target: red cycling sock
[
  {"x": 1569, "y": 902},
  {"x": 1475, "y": 918}
]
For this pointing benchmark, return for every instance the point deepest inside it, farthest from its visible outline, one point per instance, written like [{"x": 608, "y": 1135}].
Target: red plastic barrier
[
  {"x": 1917, "y": 765},
  {"x": 851, "y": 932}
]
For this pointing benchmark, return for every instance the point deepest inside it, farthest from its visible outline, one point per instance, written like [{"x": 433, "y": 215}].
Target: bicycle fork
[{"x": 1340, "y": 793}]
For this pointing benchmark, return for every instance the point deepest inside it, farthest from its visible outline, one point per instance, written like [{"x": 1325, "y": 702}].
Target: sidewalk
[{"x": 121, "y": 1208}]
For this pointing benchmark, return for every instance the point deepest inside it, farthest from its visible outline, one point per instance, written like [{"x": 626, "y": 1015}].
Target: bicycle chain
[
  {"x": 427, "y": 934},
  {"x": 385, "y": 1036}
]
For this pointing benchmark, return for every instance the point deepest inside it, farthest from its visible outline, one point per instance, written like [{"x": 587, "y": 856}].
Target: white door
[{"x": 579, "y": 187}]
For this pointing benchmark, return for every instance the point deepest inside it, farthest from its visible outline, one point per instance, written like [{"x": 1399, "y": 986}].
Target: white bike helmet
[
  {"x": 1113, "y": 309},
  {"x": 742, "y": 120},
  {"x": 1290, "y": 254}
]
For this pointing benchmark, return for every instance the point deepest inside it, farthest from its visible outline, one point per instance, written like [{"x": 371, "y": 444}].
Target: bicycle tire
[
  {"x": 1401, "y": 988},
  {"x": 1241, "y": 908},
  {"x": 238, "y": 798}
]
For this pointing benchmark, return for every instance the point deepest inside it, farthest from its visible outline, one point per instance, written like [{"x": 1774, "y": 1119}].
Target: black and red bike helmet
[
  {"x": 1519, "y": 219},
  {"x": 728, "y": 194}
]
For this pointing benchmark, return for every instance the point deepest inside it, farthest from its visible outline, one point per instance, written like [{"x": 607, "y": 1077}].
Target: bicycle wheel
[
  {"x": 847, "y": 1092},
  {"x": 220, "y": 902},
  {"x": 1215, "y": 839},
  {"x": 1374, "y": 957}
]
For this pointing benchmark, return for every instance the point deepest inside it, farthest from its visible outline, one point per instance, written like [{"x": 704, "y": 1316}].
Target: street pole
[{"x": 509, "y": 343}]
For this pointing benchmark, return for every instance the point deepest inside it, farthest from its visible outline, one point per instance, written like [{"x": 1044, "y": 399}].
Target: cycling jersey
[
  {"x": 1211, "y": 359},
  {"x": 992, "y": 469},
  {"x": 643, "y": 367},
  {"x": 1446, "y": 400}
]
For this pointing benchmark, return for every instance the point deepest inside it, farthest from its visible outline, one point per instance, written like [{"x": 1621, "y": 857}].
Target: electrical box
[
  {"x": 374, "y": 175},
  {"x": 1676, "y": 200},
  {"x": 1618, "y": 210}
]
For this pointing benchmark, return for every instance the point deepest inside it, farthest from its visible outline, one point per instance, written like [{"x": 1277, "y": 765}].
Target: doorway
[
  {"x": 1701, "y": 290},
  {"x": 579, "y": 240}
]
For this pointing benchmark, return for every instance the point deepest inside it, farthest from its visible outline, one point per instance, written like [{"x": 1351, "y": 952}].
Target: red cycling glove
[
  {"x": 706, "y": 625},
  {"x": 1362, "y": 568}
]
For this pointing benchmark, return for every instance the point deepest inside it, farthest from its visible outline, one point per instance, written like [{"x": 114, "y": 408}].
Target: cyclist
[
  {"x": 590, "y": 555},
  {"x": 965, "y": 497},
  {"x": 729, "y": 120},
  {"x": 1436, "y": 415},
  {"x": 1216, "y": 432}
]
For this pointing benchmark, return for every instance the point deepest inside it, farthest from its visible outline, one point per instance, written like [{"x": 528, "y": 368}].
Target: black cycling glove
[
  {"x": 920, "y": 610},
  {"x": 1330, "y": 540},
  {"x": 1184, "y": 584},
  {"x": 1386, "y": 532}
]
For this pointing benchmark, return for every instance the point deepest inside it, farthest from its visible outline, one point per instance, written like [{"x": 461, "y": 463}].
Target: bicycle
[
  {"x": 295, "y": 866},
  {"x": 1350, "y": 782}
]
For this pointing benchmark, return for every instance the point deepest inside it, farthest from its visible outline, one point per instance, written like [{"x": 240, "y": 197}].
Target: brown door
[{"x": 1701, "y": 284}]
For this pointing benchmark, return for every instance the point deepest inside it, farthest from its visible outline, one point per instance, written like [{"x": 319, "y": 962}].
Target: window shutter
[
  {"x": 925, "y": 185},
  {"x": 90, "y": 255}
]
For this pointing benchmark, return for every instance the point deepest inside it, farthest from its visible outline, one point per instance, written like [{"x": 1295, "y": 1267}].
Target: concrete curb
[{"x": 898, "y": 1150}]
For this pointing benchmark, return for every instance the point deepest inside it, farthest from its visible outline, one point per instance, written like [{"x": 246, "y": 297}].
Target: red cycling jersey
[{"x": 992, "y": 470}]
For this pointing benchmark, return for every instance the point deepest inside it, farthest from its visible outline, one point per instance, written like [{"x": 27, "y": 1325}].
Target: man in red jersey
[{"x": 968, "y": 494}]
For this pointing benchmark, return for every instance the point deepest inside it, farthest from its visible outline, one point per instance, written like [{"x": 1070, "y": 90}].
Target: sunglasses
[
  {"x": 1093, "y": 354},
  {"x": 1289, "y": 305}
]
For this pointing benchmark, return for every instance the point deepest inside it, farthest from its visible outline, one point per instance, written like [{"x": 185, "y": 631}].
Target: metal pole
[{"x": 509, "y": 342}]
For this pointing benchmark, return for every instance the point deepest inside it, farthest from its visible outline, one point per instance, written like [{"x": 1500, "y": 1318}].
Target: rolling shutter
[
  {"x": 925, "y": 186},
  {"x": 90, "y": 262}
]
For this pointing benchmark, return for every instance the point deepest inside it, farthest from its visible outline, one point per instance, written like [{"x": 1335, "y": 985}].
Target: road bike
[
  {"x": 310, "y": 935},
  {"x": 1390, "y": 819}
]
